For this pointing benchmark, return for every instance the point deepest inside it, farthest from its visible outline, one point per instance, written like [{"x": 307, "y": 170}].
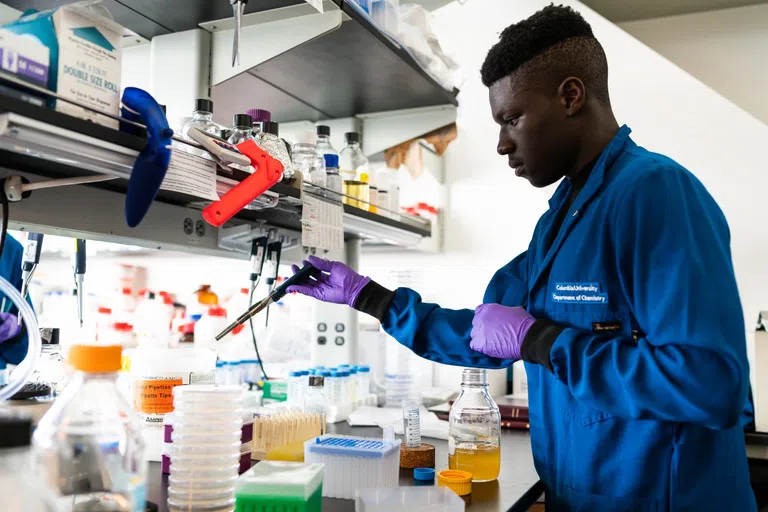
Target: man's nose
[{"x": 505, "y": 145}]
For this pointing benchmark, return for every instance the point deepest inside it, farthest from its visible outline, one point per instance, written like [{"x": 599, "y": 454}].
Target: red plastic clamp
[{"x": 267, "y": 172}]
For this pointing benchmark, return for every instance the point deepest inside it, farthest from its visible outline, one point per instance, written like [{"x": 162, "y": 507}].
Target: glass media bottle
[{"x": 474, "y": 429}]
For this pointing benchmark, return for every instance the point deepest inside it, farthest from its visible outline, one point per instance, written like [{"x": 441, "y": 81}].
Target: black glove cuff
[
  {"x": 538, "y": 342},
  {"x": 374, "y": 300}
]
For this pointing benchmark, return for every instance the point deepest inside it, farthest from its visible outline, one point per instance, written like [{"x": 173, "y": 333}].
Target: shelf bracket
[
  {"x": 238, "y": 238},
  {"x": 265, "y": 35}
]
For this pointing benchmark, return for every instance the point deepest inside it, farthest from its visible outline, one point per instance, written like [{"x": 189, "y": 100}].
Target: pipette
[
  {"x": 29, "y": 261},
  {"x": 78, "y": 266},
  {"x": 304, "y": 274}
]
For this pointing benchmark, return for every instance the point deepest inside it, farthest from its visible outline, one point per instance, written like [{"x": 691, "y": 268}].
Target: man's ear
[{"x": 572, "y": 95}]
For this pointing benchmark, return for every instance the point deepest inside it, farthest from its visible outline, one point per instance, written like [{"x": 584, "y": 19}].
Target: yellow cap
[
  {"x": 96, "y": 358},
  {"x": 364, "y": 177},
  {"x": 459, "y": 482}
]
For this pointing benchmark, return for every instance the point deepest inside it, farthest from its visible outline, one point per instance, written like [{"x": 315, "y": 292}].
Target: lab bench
[{"x": 516, "y": 489}]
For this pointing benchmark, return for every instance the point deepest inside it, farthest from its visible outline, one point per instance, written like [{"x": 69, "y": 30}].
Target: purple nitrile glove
[
  {"x": 9, "y": 326},
  {"x": 336, "y": 283},
  {"x": 498, "y": 331}
]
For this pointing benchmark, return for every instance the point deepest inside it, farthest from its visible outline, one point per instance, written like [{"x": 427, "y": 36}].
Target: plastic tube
[
  {"x": 411, "y": 423},
  {"x": 24, "y": 369}
]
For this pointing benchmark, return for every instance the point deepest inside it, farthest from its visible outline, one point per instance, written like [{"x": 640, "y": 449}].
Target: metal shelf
[
  {"x": 348, "y": 71},
  {"x": 48, "y": 144}
]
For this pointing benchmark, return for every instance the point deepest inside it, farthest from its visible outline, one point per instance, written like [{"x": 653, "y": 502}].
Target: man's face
[{"x": 534, "y": 132}]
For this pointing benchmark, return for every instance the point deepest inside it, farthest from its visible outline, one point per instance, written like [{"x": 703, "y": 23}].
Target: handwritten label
[{"x": 322, "y": 222}]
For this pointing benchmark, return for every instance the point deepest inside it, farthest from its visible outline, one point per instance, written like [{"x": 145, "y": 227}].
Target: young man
[{"x": 624, "y": 307}]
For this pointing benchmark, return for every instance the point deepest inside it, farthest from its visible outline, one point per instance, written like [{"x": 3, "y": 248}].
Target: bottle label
[{"x": 153, "y": 394}]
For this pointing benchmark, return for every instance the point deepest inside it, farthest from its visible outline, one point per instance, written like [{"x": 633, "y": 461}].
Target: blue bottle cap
[
  {"x": 219, "y": 364},
  {"x": 353, "y": 371},
  {"x": 363, "y": 369},
  {"x": 195, "y": 318},
  {"x": 294, "y": 374},
  {"x": 325, "y": 374},
  {"x": 304, "y": 373},
  {"x": 423, "y": 474}
]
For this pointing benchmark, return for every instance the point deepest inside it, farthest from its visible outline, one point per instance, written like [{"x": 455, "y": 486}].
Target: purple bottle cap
[{"x": 259, "y": 116}]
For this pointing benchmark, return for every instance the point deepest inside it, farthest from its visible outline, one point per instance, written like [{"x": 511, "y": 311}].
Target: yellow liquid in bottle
[{"x": 483, "y": 461}]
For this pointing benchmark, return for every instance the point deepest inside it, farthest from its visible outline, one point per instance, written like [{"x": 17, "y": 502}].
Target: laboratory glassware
[
  {"x": 19, "y": 483},
  {"x": 202, "y": 119},
  {"x": 352, "y": 161},
  {"x": 88, "y": 446},
  {"x": 333, "y": 180},
  {"x": 241, "y": 129},
  {"x": 474, "y": 429},
  {"x": 324, "y": 146},
  {"x": 269, "y": 140},
  {"x": 411, "y": 423},
  {"x": 306, "y": 160}
]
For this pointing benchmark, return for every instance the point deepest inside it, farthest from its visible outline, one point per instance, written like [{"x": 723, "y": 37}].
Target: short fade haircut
[{"x": 554, "y": 43}]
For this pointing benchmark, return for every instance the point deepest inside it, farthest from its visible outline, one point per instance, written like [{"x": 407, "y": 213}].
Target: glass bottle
[
  {"x": 258, "y": 118},
  {"x": 306, "y": 160},
  {"x": 19, "y": 484},
  {"x": 474, "y": 429},
  {"x": 314, "y": 399},
  {"x": 202, "y": 119},
  {"x": 88, "y": 446},
  {"x": 241, "y": 130},
  {"x": 332, "y": 176},
  {"x": 324, "y": 141},
  {"x": 269, "y": 140},
  {"x": 352, "y": 161}
]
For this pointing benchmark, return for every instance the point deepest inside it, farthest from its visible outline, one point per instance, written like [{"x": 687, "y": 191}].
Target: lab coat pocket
[{"x": 571, "y": 500}]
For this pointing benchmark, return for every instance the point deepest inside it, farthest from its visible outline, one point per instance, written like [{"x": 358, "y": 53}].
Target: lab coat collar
[
  {"x": 608, "y": 156},
  {"x": 591, "y": 187}
]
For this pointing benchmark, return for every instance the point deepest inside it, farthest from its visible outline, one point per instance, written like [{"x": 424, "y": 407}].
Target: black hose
[{"x": 253, "y": 334}]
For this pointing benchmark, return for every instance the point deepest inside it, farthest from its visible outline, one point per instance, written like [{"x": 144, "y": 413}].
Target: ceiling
[{"x": 626, "y": 10}]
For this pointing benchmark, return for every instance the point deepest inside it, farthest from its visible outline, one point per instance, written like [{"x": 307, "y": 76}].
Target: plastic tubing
[{"x": 24, "y": 369}]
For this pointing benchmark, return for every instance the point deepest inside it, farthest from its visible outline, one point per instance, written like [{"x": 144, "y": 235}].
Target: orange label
[{"x": 154, "y": 396}]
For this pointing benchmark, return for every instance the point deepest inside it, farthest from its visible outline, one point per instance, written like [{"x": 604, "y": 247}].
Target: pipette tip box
[
  {"x": 354, "y": 463},
  {"x": 279, "y": 485}
]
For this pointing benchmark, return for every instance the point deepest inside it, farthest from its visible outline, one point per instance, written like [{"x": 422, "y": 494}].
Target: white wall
[
  {"x": 725, "y": 49},
  {"x": 491, "y": 214}
]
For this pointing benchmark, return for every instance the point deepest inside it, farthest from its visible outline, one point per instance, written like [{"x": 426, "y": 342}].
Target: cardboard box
[
  {"x": 85, "y": 49},
  {"x": 24, "y": 57}
]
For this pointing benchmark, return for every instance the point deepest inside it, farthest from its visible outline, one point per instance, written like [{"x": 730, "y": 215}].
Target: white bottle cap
[{"x": 306, "y": 137}]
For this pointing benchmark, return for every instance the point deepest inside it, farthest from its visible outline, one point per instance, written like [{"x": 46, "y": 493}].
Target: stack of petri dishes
[{"x": 205, "y": 451}]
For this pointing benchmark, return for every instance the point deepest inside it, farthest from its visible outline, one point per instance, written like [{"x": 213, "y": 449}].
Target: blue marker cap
[{"x": 423, "y": 474}]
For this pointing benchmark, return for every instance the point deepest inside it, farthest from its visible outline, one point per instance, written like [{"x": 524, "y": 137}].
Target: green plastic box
[{"x": 280, "y": 486}]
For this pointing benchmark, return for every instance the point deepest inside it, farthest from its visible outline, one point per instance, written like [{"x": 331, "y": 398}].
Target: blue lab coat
[
  {"x": 12, "y": 351},
  {"x": 650, "y": 373}
]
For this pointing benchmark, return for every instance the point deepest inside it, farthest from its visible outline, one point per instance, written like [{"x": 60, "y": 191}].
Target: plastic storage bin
[
  {"x": 354, "y": 463},
  {"x": 406, "y": 499},
  {"x": 283, "y": 486}
]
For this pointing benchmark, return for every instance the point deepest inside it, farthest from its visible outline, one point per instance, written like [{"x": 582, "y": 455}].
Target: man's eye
[{"x": 512, "y": 121}]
